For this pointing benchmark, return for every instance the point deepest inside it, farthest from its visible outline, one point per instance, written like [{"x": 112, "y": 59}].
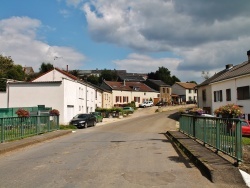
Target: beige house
[
  {"x": 164, "y": 90},
  {"x": 126, "y": 92},
  {"x": 187, "y": 92}
]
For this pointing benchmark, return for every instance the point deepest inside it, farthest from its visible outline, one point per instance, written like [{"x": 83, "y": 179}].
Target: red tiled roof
[{"x": 129, "y": 86}]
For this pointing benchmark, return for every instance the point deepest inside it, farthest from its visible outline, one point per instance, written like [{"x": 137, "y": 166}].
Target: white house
[
  {"x": 126, "y": 92},
  {"x": 229, "y": 86},
  {"x": 57, "y": 89},
  {"x": 187, "y": 91}
]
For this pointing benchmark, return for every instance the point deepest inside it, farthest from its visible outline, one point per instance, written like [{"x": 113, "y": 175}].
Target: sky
[{"x": 184, "y": 36}]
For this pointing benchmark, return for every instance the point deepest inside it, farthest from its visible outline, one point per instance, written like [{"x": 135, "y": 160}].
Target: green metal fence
[
  {"x": 11, "y": 112},
  {"x": 13, "y": 128},
  {"x": 222, "y": 134}
]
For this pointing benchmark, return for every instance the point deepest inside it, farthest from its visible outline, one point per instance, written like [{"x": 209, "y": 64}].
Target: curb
[{"x": 18, "y": 144}]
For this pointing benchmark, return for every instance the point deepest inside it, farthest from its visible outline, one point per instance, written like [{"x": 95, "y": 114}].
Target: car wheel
[
  {"x": 94, "y": 124},
  {"x": 86, "y": 125}
]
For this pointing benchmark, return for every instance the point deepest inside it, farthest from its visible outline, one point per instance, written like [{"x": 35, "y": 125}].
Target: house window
[
  {"x": 125, "y": 99},
  {"x": 204, "y": 96},
  {"x": 168, "y": 90},
  {"x": 158, "y": 95},
  {"x": 218, "y": 96},
  {"x": 117, "y": 99},
  {"x": 243, "y": 93},
  {"x": 190, "y": 90},
  {"x": 137, "y": 99},
  {"x": 95, "y": 94},
  {"x": 195, "y": 91},
  {"x": 228, "y": 94},
  {"x": 163, "y": 90}
]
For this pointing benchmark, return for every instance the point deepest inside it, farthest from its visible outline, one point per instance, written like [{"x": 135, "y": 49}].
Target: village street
[{"x": 133, "y": 152}]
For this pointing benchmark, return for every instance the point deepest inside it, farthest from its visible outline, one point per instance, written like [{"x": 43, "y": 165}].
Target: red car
[{"x": 245, "y": 126}]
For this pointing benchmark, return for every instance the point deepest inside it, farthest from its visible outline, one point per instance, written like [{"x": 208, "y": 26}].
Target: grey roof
[
  {"x": 236, "y": 71},
  {"x": 158, "y": 82}
]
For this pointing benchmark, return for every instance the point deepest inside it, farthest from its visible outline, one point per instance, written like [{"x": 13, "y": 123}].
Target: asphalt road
[{"x": 133, "y": 152}]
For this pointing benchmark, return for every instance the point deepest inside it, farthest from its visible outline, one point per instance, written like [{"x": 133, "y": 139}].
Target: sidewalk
[{"x": 216, "y": 168}]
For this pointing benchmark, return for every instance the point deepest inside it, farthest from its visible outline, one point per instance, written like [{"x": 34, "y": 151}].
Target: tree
[
  {"x": 8, "y": 70},
  {"x": 45, "y": 67},
  {"x": 108, "y": 75},
  {"x": 164, "y": 75},
  {"x": 192, "y": 82},
  {"x": 93, "y": 79}
]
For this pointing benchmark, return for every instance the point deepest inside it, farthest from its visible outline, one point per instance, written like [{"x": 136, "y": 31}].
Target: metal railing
[
  {"x": 13, "y": 128},
  {"x": 221, "y": 133}
]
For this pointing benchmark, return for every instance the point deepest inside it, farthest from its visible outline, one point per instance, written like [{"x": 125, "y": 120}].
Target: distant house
[
  {"x": 187, "y": 92},
  {"x": 125, "y": 92},
  {"x": 57, "y": 89},
  {"x": 229, "y": 86},
  {"x": 164, "y": 89}
]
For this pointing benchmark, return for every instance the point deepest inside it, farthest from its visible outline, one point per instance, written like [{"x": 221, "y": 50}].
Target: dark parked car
[
  {"x": 98, "y": 116},
  {"x": 83, "y": 120}
]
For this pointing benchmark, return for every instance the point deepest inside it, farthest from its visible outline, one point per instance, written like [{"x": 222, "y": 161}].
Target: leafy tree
[
  {"x": 192, "y": 82},
  {"x": 108, "y": 75},
  {"x": 8, "y": 70},
  {"x": 93, "y": 79},
  {"x": 164, "y": 75},
  {"x": 45, "y": 67}
]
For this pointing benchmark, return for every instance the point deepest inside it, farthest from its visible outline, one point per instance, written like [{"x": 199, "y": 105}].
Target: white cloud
[
  {"x": 205, "y": 34},
  {"x": 18, "y": 39},
  {"x": 145, "y": 64}
]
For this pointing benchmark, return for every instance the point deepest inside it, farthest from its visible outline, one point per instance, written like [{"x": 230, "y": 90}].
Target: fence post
[
  {"x": 238, "y": 143},
  {"x": 217, "y": 135},
  {"x": 2, "y": 130},
  {"x": 194, "y": 128}
]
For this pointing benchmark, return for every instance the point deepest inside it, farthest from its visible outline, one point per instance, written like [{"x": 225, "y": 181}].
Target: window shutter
[
  {"x": 221, "y": 99},
  {"x": 214, "y": 96}
]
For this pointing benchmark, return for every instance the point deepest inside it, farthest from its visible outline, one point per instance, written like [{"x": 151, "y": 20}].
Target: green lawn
[{"x": 246, "y": 140}]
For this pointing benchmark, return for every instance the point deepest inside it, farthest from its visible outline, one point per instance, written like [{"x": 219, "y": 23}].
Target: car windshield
[
  {"x": 126, "y": 108},
  {"x": 80, "y": 116}
]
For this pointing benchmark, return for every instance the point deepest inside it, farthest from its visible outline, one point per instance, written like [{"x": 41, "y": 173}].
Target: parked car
[
  {"x": 128, "y": 109},
  {"x": 146, "y": 104},
  {"x": 98, "y": 116},
  {"x": 83, "y": 120},
  {"x": 245, "y": 127}
]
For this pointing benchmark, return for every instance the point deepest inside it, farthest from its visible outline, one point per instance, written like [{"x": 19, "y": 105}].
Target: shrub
[
  {"x": 54, "y": 112},
  {"x": 22, "y": 113}
]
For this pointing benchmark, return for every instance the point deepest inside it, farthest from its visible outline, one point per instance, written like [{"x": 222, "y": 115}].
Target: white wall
[
  {"x": 3, "y": 100},
  {"x": 231, "y": 84},
  {"x": 53, "y": 75},
  {"x": 28, "y": 95}
]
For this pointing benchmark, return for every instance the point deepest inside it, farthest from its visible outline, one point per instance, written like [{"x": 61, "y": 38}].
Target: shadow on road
[{"x": 175, "y": 116}]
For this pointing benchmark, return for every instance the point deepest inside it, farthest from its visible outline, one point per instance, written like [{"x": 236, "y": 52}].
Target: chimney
[
  {"x": 228, "y": 66},
  {"x": 67, "y": 69},
  {"x": 248, "y": 55},
  {"x": 124, "y": 82}
]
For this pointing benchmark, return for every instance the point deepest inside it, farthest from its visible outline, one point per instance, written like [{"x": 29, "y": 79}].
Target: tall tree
[
  {"x": 45, "y": 67},
  {"x": 8, "y": 70},
  {"x": 109, "y": 75},
  {"x": 164, "y": 75},
  {"x": 93, "y": 79}
]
